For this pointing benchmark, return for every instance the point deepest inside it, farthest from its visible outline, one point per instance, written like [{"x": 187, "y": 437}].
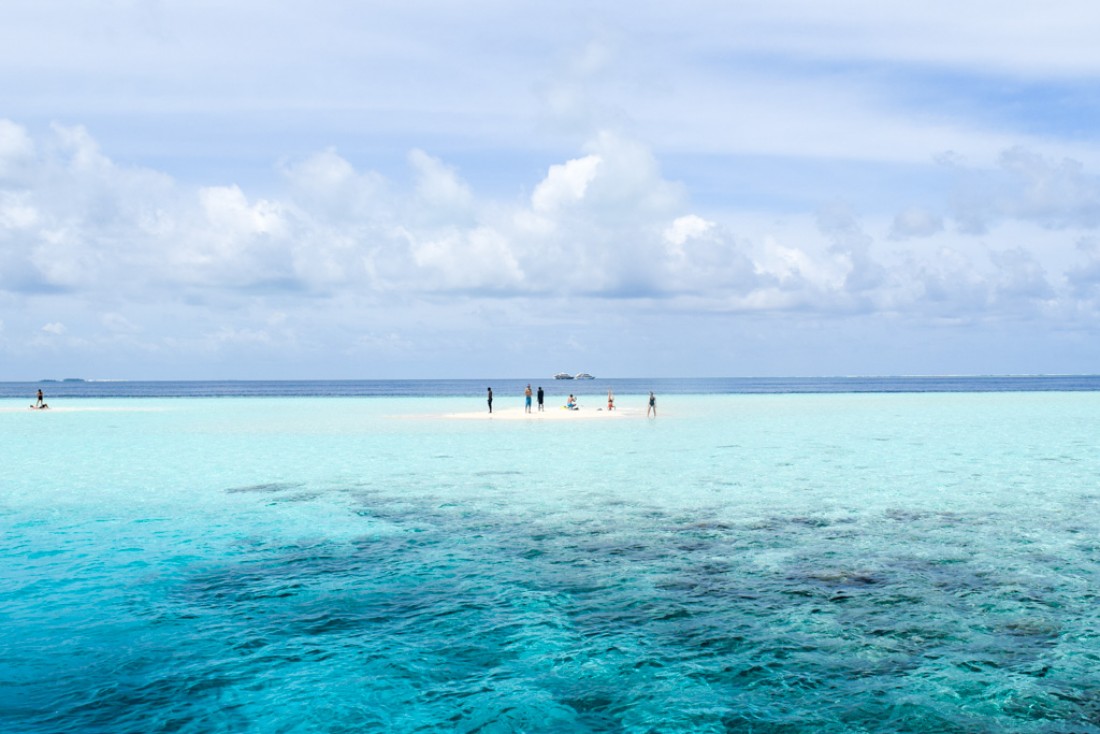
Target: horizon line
[{"x": 72, "y": 380}]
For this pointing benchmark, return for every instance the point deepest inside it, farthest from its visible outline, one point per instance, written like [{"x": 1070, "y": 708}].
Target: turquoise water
[{"x": 758, "y": 563}]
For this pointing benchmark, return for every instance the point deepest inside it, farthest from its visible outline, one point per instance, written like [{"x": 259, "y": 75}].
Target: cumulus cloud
[
  {"x": 439, "y": 187},
  {"x": 479, "y": 259},
  {"x": 684, "y": 228},
  {"x": 852, "y": 243},
  {"x": 137, "y": 257},
  {"x": 565, "y": 184},
  {"x": 606, "y": 223},
  {"x": 327, "y": 186}
]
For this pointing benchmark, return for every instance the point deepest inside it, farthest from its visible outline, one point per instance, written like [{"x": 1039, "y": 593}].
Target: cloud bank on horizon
[{"x": 193, "y": 191}]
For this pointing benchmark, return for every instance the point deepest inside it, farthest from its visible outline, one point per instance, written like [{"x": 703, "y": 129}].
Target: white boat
[
  {"x": 584, "y": 376},
  {"x": 563, "y": 376}
]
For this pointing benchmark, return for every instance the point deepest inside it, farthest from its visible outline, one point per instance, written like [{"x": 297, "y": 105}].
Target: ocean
[
  {"x": 80, "y": 388},
  {"x": 773, "y": 555}
]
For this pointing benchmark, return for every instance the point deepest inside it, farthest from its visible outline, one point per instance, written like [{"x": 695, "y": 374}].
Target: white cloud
[
  {"x": 607, "y": 223},
  {"x": 480, "y": 258},
  {"x": 328, "y": 186},
  {"x": 852, "y": 243},
  {"x": 133, "y": 260},
  {"x": 631, "y": 166},
  {"x": 687, "y": 227},
  {"x": 439, "y": 186},
  {"x": 16, "y": 211},
  {"x": 229, "y": 213},
  {"x": 565, "y": 184}
]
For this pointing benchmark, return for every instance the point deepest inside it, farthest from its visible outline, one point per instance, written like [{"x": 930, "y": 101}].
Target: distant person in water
[
  {"x": 541, "y": 395},
  {"x": 610, "y": 400},
  {"x": 652, "y": 405},
  {"x": 527, "y": 400},
  {"x": 490, "y": 400}
]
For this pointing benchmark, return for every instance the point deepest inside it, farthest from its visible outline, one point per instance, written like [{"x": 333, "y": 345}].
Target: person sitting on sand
[{"x": 571, "y": 403}]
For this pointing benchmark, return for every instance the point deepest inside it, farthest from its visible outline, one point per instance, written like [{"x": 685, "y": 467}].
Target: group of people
[
  {"x": 526, "y": 399},
  {"x": 571, "y": 403}
]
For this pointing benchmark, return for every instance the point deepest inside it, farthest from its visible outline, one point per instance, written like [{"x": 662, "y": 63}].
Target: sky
[{"x": 338, "y": 189}]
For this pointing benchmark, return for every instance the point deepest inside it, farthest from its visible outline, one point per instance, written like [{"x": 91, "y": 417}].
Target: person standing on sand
[
  {"x": 610, "y": 400},
  {"x": 527, "y": 400},
  {"x": 41, "y": 402},
  {"x": 490, "y": 400},
  {"x": 652, "y": 405},
  {"x": 541, "y": 395}
]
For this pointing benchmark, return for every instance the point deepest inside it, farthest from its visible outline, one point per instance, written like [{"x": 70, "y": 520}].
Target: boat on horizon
[
  {"x": 583, "y": 376},
  {"x": 563, "y": 376}
]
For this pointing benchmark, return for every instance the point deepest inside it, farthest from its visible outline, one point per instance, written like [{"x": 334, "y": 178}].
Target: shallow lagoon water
[{"x": 764, "y": 563}]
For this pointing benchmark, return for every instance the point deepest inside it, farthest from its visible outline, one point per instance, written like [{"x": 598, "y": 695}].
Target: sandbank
[{"x": 550, "y": 414}]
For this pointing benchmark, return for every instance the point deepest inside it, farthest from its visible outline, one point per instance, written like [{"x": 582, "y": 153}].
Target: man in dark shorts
[
  {"x": 490, "y": 400},
  {"x": 652, "y": 405},
  {"x": 540, "y": 396}
]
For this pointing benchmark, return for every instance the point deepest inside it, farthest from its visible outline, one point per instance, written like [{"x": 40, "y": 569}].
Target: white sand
[{"x": 555, "y": 413}]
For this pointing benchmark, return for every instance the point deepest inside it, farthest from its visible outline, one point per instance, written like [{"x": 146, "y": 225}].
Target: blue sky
[{"x": 344, "y": 189}]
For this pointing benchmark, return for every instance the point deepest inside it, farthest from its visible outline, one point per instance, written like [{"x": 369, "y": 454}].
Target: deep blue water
[{"x": 505, "y": 386}]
